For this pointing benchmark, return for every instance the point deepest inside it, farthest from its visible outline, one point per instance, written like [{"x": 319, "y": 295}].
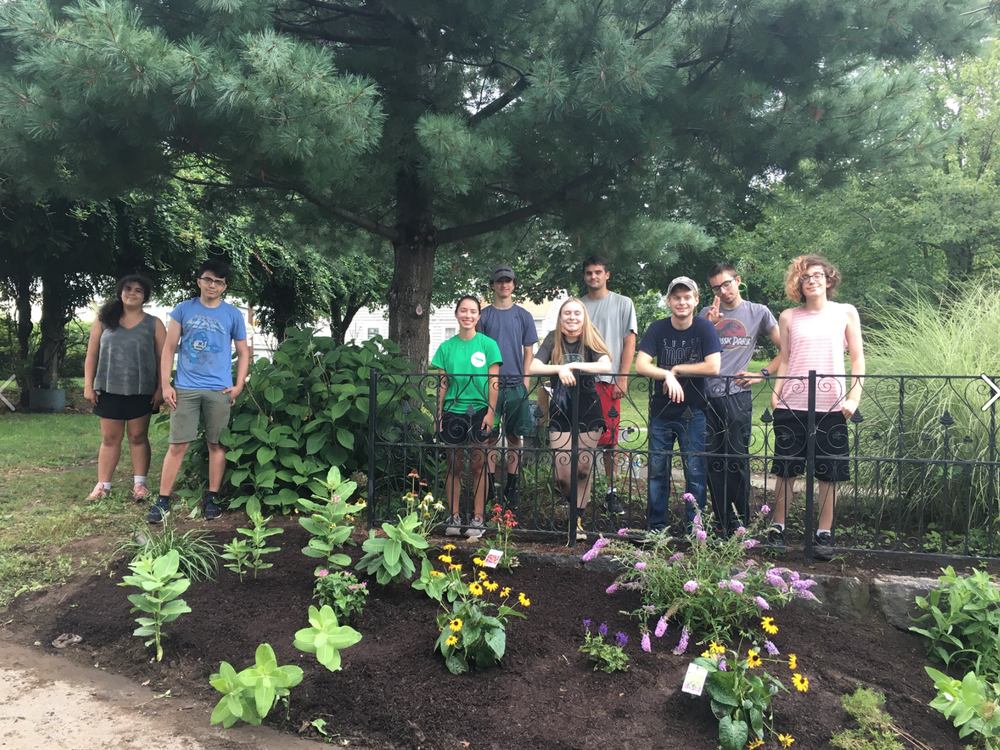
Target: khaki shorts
[{"x": 191, "y": 406}]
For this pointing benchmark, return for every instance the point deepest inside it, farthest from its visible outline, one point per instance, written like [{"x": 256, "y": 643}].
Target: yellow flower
[
  {"x": 456, "y": 624},
  {"x": 478, "y": 561},
  {"x": 525, "y": 601},
  {"x": 448, "y": 547},
  {"x": 483, "y": 575},
  {"x": 455, "y": 566},
  {"x": 475, "y": 589},
  {"x": 793, "y": 662},
  {"x": 753, "y": 659},
  {"x": 769, "y": 627},
  {"x": 437, "y": 574},
  {"x": 786, "y": 740},
  {"x": 505, "y": 592},
  {"x": 755, "y": 743},
  {"x": 452, "y": 640},
  {"x": 715, "y": 648},
  {"x": 444, "y": 558},
  {"x": 491, "y": 585},
  {"x": 801, "y": 683}
]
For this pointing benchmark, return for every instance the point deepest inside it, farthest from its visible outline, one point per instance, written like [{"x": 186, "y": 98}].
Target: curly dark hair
[{"x": 111, "y": 311}]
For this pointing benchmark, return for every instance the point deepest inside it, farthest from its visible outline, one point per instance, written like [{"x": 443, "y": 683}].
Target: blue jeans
[{"x": 690, "y": 437}]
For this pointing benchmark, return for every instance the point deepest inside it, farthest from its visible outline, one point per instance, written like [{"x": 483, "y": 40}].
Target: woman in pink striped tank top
[{"x": 814, "y": 337}]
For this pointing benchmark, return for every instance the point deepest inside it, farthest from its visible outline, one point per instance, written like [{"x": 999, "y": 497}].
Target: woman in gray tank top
[{"x": 121, "y": 381}]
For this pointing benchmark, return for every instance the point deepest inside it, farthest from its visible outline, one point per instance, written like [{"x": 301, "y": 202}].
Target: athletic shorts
[
  {"x": 194, "y": 405},
  {"x": 832, "y": 445},
  {"x": 514, "y": 408},
  {"x": 464, "y": 429},
  {"x": 123, "y": 408},
  {"x": 610, "y": 436},
  {"x": 591, "y": 419}
]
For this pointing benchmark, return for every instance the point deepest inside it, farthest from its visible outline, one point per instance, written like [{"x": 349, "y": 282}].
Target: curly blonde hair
[
  {"x": 793, "y": 285},
  {"x": 589, "y": 335}
]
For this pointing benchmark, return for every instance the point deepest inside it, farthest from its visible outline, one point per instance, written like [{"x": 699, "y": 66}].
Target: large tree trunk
[
  {"x": 342, "y": 314},
  {"x": 53, "y": 330},
  {"x": 24, "y": 328}
]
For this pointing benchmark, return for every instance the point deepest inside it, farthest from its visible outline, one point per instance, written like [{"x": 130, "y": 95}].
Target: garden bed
[{"x": 393, "y": 692}]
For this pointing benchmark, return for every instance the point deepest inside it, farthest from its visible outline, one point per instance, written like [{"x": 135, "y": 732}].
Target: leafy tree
[{"x": 434, "y": 123}]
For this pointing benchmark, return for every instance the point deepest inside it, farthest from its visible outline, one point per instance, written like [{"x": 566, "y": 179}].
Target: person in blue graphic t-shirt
[{"x": 203, "y": 332}]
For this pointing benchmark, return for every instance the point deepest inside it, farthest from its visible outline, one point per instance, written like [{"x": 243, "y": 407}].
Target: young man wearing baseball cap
[
  {"x": 513, "y": 328},
  {"x": 681, "y": 351}
]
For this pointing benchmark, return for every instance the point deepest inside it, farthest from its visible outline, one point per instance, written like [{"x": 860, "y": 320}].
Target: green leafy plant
[
  {"x": 972, "y": 704},
  {"x": 341, "y": 591},
  {"x": 257, "y": 538},
  {"x": 238, "y": 553},
  {"x": 161, "y": 586},
  {"x": 391, "y": 558},
  {"x": 331, "y": 523},
  {"x": 251, "y": 694},
  {"x": 610, "y": 657},
  {"x": 198, "y": 557},
  {"x": 876, "y": 730},
  {"x": 326, "y": 637}
]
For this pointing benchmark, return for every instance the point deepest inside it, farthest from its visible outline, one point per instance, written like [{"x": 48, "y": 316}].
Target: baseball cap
[
  {"x": 682, "y": 281},
  {"x": 503, "y": 271}
]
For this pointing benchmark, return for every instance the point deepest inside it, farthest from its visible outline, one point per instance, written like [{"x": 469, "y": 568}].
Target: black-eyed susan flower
[
  {"x": 523, "y": 600},
  {"x": 455, "y": 566},
  {"x": 478, "y": 561},
  {"x": 436, "y": 574},
  {"x": 491, "y": 586},
  {"x": 715, "y": 648},
  {"x": 801, "y": 683},
  {"x": 444, "y": 558},
  {"x": 452, "y": 640},
  {"x": 793, "y": 662},
  {"x": 505, "y": 592},
  {"x": 753, "y": 659},
  {"x": 448, "y": 547},
  {"x": 475, "y": 589},
  {"x": 755, "y": 743},
  {"x": 456, "y": 624},
  {"x": 768, "y": 625},
  {"x": 483, "y": 575},
  {"x": 786, "y": 740}
]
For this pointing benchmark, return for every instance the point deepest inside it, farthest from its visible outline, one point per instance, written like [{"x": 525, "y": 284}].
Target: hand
[
  {"x": 714, "y": 314},
  {"x": 672, "y": 388},
  {"x": 233, "y": 392},
  {"x": 91, "y": 395},
  {"x": 620, "y": 387},
  {"x": 775, "y": 400},
  {"x": 566, "y": 376},
  {"x": 487, "y": 426},
  {"x": 848, "y": 407},
  {"x": 170, "y": 396},
  {"x": 746, "y": 379},
  {"x": 157, "y": 399}
]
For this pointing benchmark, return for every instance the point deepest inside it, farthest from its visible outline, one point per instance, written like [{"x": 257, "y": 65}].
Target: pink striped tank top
[{"x": 816, "y": 341}]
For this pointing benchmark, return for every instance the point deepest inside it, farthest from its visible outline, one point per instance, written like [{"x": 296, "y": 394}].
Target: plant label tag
[
  {"x": 493, "y": 558},
  {"x": 694, "y": 680}
]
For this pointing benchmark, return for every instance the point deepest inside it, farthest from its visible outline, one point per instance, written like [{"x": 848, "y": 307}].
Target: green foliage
[
  {"x": 961, "y": 617},
  {"x": 161, "y": 586},
  {"x": 198, "y": 557},
  {"x": 251, "y": 694},
  {"x": 327, "y": 523},
  {"x": 256, "y": 541},
  {"x": 875, "y": 728},
  {"x": 610, "y": 657},
  {"x": 341, "y": 591},
  {"x": 303, "y": 412},
  {"x": 237, "y": 552},
  {"x": 391, "y": 558},
  {"x": 973, "y": 705},
  {"x": 504, "y": 521},
  {"x": 326, "y": 637}
]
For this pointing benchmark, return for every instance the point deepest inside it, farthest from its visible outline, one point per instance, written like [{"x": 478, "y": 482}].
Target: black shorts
[
  {"x": 463, "y": 429},
  {"x": 591, "y": 416},
  {"x": 123, "y": 408},
  {"x": 832, "y": 445}
]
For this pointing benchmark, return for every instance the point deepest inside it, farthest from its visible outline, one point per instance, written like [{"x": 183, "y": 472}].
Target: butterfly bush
[{"x": 710, "y": 589}]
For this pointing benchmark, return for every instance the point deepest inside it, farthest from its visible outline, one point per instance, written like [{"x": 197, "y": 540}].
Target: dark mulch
[{"x": 393, "y": 692}]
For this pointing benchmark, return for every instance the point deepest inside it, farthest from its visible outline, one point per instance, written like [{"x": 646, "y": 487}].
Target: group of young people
[{"x": 701, "y": 402}]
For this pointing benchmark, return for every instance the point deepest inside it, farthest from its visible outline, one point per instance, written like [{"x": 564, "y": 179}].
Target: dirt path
[{"x": 50, "y": 702}]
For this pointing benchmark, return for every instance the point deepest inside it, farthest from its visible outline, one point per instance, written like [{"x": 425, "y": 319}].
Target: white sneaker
[
  {"x": 476, "y": 528},
  {"x": 454, "y": 526}
]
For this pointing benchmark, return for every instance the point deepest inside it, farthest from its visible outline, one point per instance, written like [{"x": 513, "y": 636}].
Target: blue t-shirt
[
  {"x": 512, "y": 329},
  {"x": 204, "y": 353},
  {"x": 668, "y": 347}
]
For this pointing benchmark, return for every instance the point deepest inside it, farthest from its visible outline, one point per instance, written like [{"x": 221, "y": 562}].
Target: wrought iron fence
[{"x": 921, "y": 457}]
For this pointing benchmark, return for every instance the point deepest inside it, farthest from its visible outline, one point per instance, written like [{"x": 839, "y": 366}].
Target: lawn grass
[{"x": 48, "y": 466}]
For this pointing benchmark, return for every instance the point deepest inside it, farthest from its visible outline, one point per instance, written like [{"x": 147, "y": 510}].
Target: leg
[
  {"x": 453, "y": 480},
  {"x": 560, "y": 443},
  {"x": 691, "y": 438},
  {"x": 827, "y": 501},
  {"x": 477, "y": 462},
  {"x": 782, "y": 498},
  {"x": 112, "y": 431},
  {"x": 138, "y": 445},
  {"x": 738, "y": 465},
  {"x": 661, "y": 442},
  {"x": 584, "y": 467},
  {"x": 716, "y": 463},
  {"x": 172, "y": 466},
  {"x": 514, "y": 445},
  {"x": 216, "y": 466}
]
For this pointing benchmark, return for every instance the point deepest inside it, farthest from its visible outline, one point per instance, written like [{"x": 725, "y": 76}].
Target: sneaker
[
  {"x": 477, "y": 527},
  {"x": 454, "y": 526},
  {"x": 776, "y": 538},
  {"x": 212, "y": 510},
  {"x": 140, "y": 492},
  {"x": 581, "y": 534},
  {"x": 611, "y": 504},
  {"x": 158, "y": 511},
  {"x": 823, "y": 546},
  {"x": 513, "y": 498},
  {"x": 564, "y": 501},
  {"x": 99, "y": 493}
]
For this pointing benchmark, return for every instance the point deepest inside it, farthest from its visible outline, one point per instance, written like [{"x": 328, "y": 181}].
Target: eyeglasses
[
  {"x": 724, "y": 285},
  {"x": 213, "y": 282},
  {"x": 812, "y": 277}
]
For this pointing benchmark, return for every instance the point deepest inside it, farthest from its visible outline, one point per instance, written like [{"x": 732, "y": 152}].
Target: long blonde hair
[{"x": 589, "y": 335}]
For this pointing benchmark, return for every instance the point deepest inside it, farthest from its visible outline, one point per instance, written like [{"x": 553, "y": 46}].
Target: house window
[
  {"x": 449, "y": 332},
  {"x": 372, "y": 333}
]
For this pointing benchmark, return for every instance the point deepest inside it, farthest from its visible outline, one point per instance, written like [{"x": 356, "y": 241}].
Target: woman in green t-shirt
[{"x": 467, "y": 398}]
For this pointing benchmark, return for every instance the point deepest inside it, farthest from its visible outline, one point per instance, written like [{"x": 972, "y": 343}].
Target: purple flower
[
  {"x": 677, "y": 557},
  {"x": 321, "y": 573},
  {"x": 736, "y": 586},
  {"x": 740, "y": 531},
  {"x": 640, "y": 566},
  {"x": 723, "y": 583},
  {"x": 586, "y": 623},
  {"x": 648, "y": 608},
  {"x": 802, "y": 584},
  {"x": 701, "y": 534},
  {"x": 771, "y": 648},
  {"x": 723, "y": 667},
  {"x": 601, "y": 543},
  {"x": 621, "y": 639},
  {"x": 750, "y": 543},
  {"x": 612, "y": 588},
  {"x": 631, "y": 585},
  {"x": 793, "y": 576},
  {"x": 363, "y": 584},
  {"x": 623, "y": 532},
  {"x": 741, "y": 575},
  {"x": 765, "y": 509},
  {"x": 602, "y": 628},
  {"x": 806, "y": 594},
  {"x": 691, "y": 585},
  {"x": 661, "y": 627},
  {"x": 682, "y": 646},
  {"x": 589, "y": 555},
  {"x": 689, "y": 498},
  {"x": 762, "y": 602},
  {"x": 646, "y": 645}
]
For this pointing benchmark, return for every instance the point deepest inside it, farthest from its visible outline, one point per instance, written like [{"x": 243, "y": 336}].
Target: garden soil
[{"x": 394, "y": 692}]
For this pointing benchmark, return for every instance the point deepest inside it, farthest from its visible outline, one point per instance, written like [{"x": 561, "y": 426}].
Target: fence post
[
  {"x": 372, "y": 414},
  {"x": 810, "y": 466},
  {"x": 574, "y": 456}
]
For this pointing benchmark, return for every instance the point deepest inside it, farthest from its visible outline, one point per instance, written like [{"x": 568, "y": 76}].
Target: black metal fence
[{"x": 921, "y": 456}]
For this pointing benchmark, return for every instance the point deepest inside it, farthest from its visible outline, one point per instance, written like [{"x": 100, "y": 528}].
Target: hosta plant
[
  {"x": 251, "y": 694},
  {"x": 160, "y": 586}
]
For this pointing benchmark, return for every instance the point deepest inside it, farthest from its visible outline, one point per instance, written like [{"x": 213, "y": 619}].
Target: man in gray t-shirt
[
  {"x": 739, "y": 323},
  {"x": 614, "y": 316}
]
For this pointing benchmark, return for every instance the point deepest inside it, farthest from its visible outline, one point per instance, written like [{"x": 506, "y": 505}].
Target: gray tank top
[{"x": 126, "y": 364}]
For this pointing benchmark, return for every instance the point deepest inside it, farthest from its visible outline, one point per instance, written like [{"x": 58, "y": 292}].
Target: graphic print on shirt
[
  {"x": 197, "y": 347},
  {"x": 680, "y": 350},
  {"x": 733, "y": 334},
  {"x": 478, "y": 359}
]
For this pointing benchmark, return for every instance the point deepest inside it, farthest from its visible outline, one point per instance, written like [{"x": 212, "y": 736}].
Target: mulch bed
[{"x": 393, "y": 692}]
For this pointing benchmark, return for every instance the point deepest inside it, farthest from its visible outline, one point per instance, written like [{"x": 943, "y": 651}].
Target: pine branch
[
  {"x": 657, "y": 23},
  {"x": 498, "y": 104},
  {"x": 302, "y": 30}
]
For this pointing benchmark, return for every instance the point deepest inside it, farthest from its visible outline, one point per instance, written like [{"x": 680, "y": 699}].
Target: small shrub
[
  {"x": 332, "y": 521},
  {"x": 251, "y": 694},
  {"x": 256, "y": 543},
  {"x": 391, "y": 559},
  {"x": 972, "y": 704},
  {"x": 610, "y": 657},
  {"x": 326, "y": 637},
  {"x": 341, "y": 591},
  {"x": 198, "y": 558},
  {"x": 876, "y": 730},
  {"x": 161, "y": 584}
]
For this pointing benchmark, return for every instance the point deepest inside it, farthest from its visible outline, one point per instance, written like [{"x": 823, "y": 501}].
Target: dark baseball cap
[{"x": 503, "y": 271}]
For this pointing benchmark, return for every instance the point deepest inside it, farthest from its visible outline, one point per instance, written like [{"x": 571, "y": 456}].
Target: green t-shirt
[{"x": 472, "y": 357}]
